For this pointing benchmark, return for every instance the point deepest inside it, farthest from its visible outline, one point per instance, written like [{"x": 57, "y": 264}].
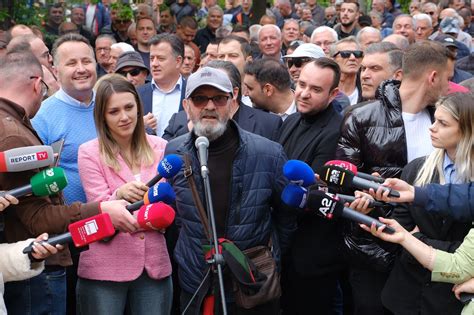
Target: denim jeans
[
  {"x": 43, "y": 294},
  {"x": 145, "y": 296}
]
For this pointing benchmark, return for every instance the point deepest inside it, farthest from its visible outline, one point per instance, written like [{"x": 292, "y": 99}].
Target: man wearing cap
[
  {"x": 246, "y": 182},
  {"x": 312, "y": 269},
  {"x": 450, "y": 26},
  {"x": 302, "y": 55},
  {"x": 453, "y": 46},
  {"x": 130, "y": 64}
]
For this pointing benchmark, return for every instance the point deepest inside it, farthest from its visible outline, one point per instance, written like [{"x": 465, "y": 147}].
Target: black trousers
[
  {"x": 312, "y": 295},
  {"x": 367, "y": 285}
]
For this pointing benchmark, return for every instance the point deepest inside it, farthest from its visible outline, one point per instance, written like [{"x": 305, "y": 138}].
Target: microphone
[
  {"x": 325, "y": 205},
  {"x": 159, "y": 215},
  {"x": 299, "y": 173},
  {"x": 340, "y": 177},
  {"x": 82, "y": 233},
  {"x": 49, "y": 181},
  {"x": 372, "y": 203},
  {"x": 202, "y": 143},
  {"x": 167, "y": 168},
  {"x": 351, "y": 167},
  {"x": 160, "y": 192},
  {"x": 26, "y": 158}
]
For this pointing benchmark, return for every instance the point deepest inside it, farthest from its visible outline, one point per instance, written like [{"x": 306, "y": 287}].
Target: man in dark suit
[
  {"x": 264, "y": 124},
  {"x": 311, "y": 272},
  {"x": 162, "y": 97}
]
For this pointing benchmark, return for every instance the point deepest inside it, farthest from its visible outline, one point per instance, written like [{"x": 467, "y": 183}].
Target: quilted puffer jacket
[
  {"x": 256, "y": 210},
  {"x": 373, "y": 135}
]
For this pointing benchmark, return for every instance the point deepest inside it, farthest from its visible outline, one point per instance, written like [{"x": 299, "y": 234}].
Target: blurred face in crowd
[
  {"x": 269, "y": 41},
  {"x": 211, "y": 52},
  {"x": 76, "y": 69},
  {"x": 102, "y": 51},
  {"x": 214, "y": 19},
  {"x": 164, "y": 64},
  {"x": 189, "y": 61},
  {"x": 375, "y": 68},
  {"x": 404, "y": 26},
  {"x": 134, "y": 75},
  {"x": 378, "y": 5},
  {"x": 432, "y": 10},
  {"x": 145, "y": 31},
  {"x": 423, "y": 30},
  {"x": 121, "y": 115},
  {"x": 324, "y": 40},
  {"x": 414, "y": 7},
  {"x": 209, "y": 117},
  {"x": 306, "y": 15},
  {"x": 255, "y": 91},
  {"x": 290, "y": 32},
  {"x": 295, "y": 65},
  {"x": 246, "y": 4},
  {"x": 186, "y": 34},
  {"x": 348, "y": 57},
  {"x": 232, "y": 52},
  {"x": 115, "y": 53},
  {"x": 120, "y": 24},
  {"x": 77, "y": 16},
  {"x": 329, "y": 13},
  {"x": 166, "y": 18},
  {"x": 313, "y": 90},
  {"x": 56, "y": 15},
  {"x": 368, "y": 38},
  {"x": 39, "y": 49},
  {"x": 349, "y": 14}
]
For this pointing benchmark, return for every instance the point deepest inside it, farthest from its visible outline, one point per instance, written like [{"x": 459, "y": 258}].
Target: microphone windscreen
[
  {"x": 344, "y": 164},
  {"x": 91, "y": 230},
  {"x": 294, "y": 196},
  {"x": 299, "y": 173},
  {"x": 49, "y": 181},
  {"x": 160, "y": 216},
  {"x": 160, "y": 192},
  {"x": 170, "y": 165},
  {"x": 336, "y": 176}
]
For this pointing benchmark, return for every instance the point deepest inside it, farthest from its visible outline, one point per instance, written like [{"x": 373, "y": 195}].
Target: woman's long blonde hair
[
  {"x": 461, "y": 107},
  {"x": 142, "y": 152}
]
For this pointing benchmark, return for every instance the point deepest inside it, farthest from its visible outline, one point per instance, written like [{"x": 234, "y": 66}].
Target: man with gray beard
[{"x": 246, "y": 182}]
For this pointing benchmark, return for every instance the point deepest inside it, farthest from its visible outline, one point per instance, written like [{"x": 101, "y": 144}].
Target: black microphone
[
  {"x": 202, "y": 143},
  {"x": 325, "y": 205},
  {"x": 341, "y": 177},
  {"x": 372, "y": 203},
  {"x": 351, "y": 167}
]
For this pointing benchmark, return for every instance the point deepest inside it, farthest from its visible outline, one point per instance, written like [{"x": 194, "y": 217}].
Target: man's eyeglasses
[
  {"x": 133, "y": 72},
  {"x": 347, "y": 53},
  {"x": 430, "y": 13},
  {"x": 297, "y": 62},
  {"x": 44, "y": 86},
  {"x": 202, "y": 100}
]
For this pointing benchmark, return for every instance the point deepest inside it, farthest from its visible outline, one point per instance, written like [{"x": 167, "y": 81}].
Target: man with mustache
[{"x": 246, "y": 181}]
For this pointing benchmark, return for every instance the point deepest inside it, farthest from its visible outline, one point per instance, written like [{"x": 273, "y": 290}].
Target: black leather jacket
[{"x": 373, "y": 135}]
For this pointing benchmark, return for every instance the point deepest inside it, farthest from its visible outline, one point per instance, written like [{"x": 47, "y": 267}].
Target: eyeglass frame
[
  {"x": 217, "y": 103},
  {"x": 125, "y": 73},
  {"x": 344, "y": 53},
  {"x": 300, "y": 60},
  {"x": 45, "y": 86}
]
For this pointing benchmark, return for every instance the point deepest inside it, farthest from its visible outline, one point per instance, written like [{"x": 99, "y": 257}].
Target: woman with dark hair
[{"x": 131, "y": 269}]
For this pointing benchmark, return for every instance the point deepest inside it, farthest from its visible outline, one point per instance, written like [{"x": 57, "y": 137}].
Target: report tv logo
[{"x": 27, "y": 158}]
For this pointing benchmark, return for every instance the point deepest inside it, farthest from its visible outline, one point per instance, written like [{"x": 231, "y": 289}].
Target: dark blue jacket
[
  {"x": 256, "y": 209},
  {"x": 145, "y": 92},
  {"x": 456, "y": 201}
]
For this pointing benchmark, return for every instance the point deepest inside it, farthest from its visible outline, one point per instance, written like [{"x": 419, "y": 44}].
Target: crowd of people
[{"x": 125, "y": 85}]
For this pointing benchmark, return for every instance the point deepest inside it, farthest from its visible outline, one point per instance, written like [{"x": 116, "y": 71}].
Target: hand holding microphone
[
  {"x": 7, "y": 200},
  {"x": 324, "y": 205},
  {"x": 49, "y": 181},
  {"x": 340, "y": 177},
  {"x": 42, "y": 250},
  {"x": 132, "y": 191},
  {"x": 121, "y": 218}
]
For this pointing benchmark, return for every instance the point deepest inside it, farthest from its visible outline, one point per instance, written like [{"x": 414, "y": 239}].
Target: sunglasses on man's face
[
  {"x": 202, "y": 100},
  {"x": 133, "y": 72},
  {"x": 347, "y": 53},
  {"x": 297, "y": 62}
]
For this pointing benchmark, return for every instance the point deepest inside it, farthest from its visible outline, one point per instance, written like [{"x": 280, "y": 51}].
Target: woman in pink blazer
[{"x": 132, "y": 268}]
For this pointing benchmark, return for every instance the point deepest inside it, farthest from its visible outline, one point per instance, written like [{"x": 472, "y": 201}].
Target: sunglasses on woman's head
[{"x": 347, "y": 53}]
